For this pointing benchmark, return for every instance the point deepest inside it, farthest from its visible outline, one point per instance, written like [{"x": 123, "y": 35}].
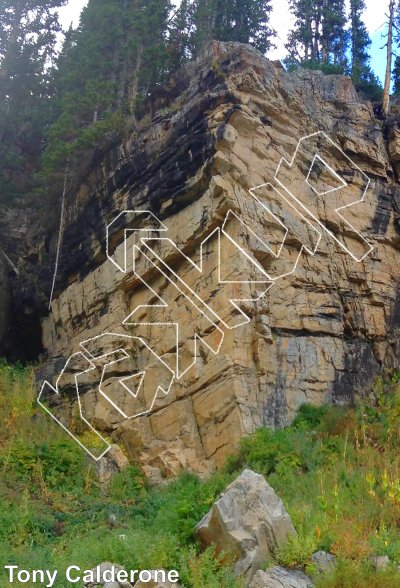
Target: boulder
[
  {"x": 113, "y": 462},
  {"x": 324, "y": 561},
  {"x": 380, "y": 562},
  {"x": 157, "y": 581},
  {"x": 154, "y": 476},
  {"x": 280, "y": 578},
  {"x": 248, "y": 522},
  {"x": 107, "y": 566}
]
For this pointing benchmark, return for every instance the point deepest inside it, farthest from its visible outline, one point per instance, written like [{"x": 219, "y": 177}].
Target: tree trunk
[
  {"x": 341, "y": 48},
  {"x": 8, "y": 58},
  {"x": 134, "y": 80},
  {"x": 316, "y": 39},
  {"x": 325, "y": 33},
  {"x": 388, "y": 76},
  {"x": 308, "y": 45},
  {"x": 353, "y": 37}
]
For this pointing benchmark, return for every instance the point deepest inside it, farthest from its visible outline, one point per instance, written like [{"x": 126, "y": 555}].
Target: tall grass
[{"x": 337, "y": 471}]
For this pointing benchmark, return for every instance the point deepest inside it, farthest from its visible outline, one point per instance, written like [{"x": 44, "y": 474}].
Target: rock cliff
[{"x": 319, "y": 335}]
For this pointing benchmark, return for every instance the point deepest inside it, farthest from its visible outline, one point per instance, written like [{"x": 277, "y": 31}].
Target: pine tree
[
  {"x": 396, "y": 76},
  {"x": 360, "y": 40},
  {"x": 301, "y": 39},
  {"x": 244, "y": 21},
  {"x": 113, "y": 63},
  {"x": 333, "y": 37},
  {"x": 27, "y": 43},
  {"x": 180, "y": 30},
  {"x": 319, "y": 35},
  {"x": 363, "y": 77}
]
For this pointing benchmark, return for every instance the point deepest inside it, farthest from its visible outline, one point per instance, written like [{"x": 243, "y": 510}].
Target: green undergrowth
[{"x": 336, "y": 469}]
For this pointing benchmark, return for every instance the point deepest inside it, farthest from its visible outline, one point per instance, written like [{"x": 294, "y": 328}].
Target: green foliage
[
  {"x": 52, "y": 513},
  {"x": 27, "y": 44},
  {"x": 243, "y": 21},
  {"x": 297, "y": 551},
  {"x": 396, "y": 76},
  {"x": 319, "y": 41},
  {"x": 199, "y": 571},
  {"x": 352, "y": 574},
  {"x": 335, "y": 469},
  {"x": 360, "y": 40},
  {"x": 309, "y": 416},
  {"x": 326, "y": 68},
  {"x": 368, "y": 84}
]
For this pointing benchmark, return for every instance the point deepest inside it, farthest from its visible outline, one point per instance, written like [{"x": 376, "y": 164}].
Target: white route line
[
  {"x": 59, "y": 236},
  {"x": 90, "y": 360},
  {"x": 283, "y": 160},
  {"x": 303, "y": 247},
  {"x": 79, "y": 353},
  {"x": 144, "y": 241},
  {"x": 148, "y": 230},
  {"x": 163, "y": 304},
  {"x": 126, "y": 356}
]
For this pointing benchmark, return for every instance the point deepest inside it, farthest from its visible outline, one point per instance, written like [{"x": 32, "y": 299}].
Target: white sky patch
[{"x": 71, "y": 12}]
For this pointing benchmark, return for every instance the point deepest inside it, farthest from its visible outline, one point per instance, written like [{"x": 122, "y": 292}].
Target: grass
[{"x": 337, "y": 471}]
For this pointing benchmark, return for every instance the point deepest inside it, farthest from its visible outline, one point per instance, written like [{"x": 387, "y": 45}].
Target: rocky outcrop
[
  {"x": 319, "y": 335},
  {"x": 280, "y": 578},
  {"x": 247, "y": 523}
]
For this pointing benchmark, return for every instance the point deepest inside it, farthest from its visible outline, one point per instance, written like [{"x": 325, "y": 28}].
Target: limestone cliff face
[{"x": 320, "y": 334}]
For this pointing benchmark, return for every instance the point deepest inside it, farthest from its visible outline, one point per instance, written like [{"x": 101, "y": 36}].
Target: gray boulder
[
  {"x": 280, "y": 578},
  {"x": 157, "y": 581},
  {"x": 380, "y": 562},
  {"x": 248, "y": 522},
  {"x": 324, "y": 561},
  {"x": 107, "y": 566}
]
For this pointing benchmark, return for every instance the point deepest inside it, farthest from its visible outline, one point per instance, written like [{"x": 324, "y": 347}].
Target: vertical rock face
[
  {"x": 4, "y": 301},
  {"x": 22, "y": 301},
  {"x": 319, "y": 334}
]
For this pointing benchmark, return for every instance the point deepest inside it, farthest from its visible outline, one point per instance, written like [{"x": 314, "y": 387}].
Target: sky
[{"x": 374, "y": 18}]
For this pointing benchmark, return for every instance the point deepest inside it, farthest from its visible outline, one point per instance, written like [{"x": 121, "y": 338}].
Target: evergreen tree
[
  {"x": 180, "y": 31},
  {"x": 396, "y": 76},
  {"x": 28, "y": 32},
  {"x": 320, "y": 40},
  {"x": 363, "y": 77},
  {"x": 334, "y": 38},
  {"x": 113, "y": 63},
  {"x": 300, "y": 44},
  {"x": 360, "y": 40},
  {"x": 244, "y": 21},
  {"x": 319, "y": 35}
]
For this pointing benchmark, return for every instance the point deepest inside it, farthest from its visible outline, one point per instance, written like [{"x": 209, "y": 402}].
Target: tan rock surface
[{"x": 320, "y": 334}]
